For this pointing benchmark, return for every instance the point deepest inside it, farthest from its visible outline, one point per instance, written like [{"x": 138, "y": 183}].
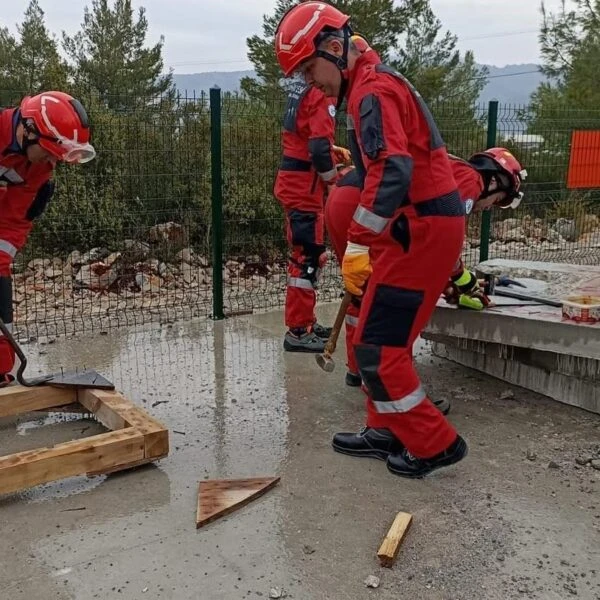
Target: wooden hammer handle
[{"x": 337, "y": 326}]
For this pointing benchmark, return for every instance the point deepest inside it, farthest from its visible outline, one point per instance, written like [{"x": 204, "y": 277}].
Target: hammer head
[{"x": 325, "y": 362}]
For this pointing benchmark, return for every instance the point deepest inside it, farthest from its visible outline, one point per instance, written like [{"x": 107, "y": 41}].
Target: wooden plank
[
  {"x": 219, "y": 497},
  {"x": 121, "y": 409},
  {"x": 96, "y": 453},
  {"x": 391, "y": 544},
  {"x": 18, "y": 399},
  {"x": 122, "y": 467},
  {"x": 103, "y": 412}
]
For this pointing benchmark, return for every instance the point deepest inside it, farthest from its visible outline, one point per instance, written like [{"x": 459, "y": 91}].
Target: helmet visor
[
  {"x": 67, "y": 150},
  {"x": 511, "y": 201},
  {"x": 81, "y": 154}
]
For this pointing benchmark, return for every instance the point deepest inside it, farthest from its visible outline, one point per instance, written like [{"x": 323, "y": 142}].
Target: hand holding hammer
[{"x": 325, "y": 361}]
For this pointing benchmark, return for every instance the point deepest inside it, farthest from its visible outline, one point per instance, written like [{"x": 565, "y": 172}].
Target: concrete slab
[
  {"x": 498, "y": 526},
  {"x": 560, "y": 279},
  {"x": 524, "y": 343}
]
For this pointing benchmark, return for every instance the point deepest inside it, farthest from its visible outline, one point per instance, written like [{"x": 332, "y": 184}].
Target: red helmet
[
  {"x": 61, "y": 124},
  {"x": 503, "y": 162},
  {"x": 298, "y": 30}
]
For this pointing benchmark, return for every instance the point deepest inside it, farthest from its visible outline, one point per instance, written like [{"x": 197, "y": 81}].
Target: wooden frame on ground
[{"x": 134, "y": 438}]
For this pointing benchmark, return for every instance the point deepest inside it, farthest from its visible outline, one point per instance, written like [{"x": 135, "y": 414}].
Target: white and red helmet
[
  {"x": 299, "y": 32},
  {"x": 61, "y": 124},
  {"x": 501, "y": 162}
]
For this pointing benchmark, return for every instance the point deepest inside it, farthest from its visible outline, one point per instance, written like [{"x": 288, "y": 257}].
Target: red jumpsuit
[
  {"x": 339, "y": 209},
  {"x": 411, "y": 217},
  {"x": 470, "y": 187},
  {"x": 25, "y": 189},
  {"x": 307, "y": 164},
  {"x": 341, "y": 206}
]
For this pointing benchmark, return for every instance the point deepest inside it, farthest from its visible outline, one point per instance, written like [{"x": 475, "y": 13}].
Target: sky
[{"x": 210, "y": 35}]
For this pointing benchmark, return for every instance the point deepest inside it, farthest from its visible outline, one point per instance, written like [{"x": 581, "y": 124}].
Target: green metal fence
[{"x": 176, "y": 217}]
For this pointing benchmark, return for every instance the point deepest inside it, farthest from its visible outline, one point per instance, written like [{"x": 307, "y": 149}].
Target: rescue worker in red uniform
[
  {"x": 46, "y": 128},
  {"x": 307, "y": 167},
  {"x": 492, "y": 178},
  {"x": 405, "y": 235}
]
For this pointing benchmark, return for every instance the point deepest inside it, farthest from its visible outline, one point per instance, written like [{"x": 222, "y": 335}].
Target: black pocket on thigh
[
  {"x": 303, "y": 225},
  {"x": 391, "y": 316},
  {"x": 400, "y": 231}
]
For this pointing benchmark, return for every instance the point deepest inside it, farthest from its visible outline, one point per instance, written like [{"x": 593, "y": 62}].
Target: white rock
[
  {"x": 372, "y": 581},
  {"x": 148, "y": 282}
]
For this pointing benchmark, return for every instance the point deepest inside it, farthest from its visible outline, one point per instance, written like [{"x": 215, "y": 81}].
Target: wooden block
[
  {"x": 115, "y": 412},
  {"x": 135, "y": 437},
  {"x": 121, "y": 467},
  {"x": 18, "y": 399},
  {"x": 391, "y": 544},
  {"x": 219, "y": 497},
  {"x": 26, "y": 469},
  {"x": 108, "y": 417}
]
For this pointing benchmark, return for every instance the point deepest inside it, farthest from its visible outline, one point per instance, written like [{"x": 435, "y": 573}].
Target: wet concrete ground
[{"x": 519, "y": 518}]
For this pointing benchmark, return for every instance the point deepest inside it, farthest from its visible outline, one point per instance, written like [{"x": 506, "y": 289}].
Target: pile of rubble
[
  {"x": 99, "y": 281},
  {"x": 164, "y": 271},
  {"x": 526, "y": 235}
]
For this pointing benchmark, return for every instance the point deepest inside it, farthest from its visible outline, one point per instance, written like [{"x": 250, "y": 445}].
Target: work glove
[
  {"x": 466, "y": 283},
  {"x": 469, "y": 295},
  {"x": 478, "y": 302},
  {"x": 356, "y": 268},
  {"x": 342, "y": 155}
]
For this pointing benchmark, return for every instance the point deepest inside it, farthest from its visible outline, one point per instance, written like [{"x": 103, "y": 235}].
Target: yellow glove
[
  {"x": 471, "y": 302},
  {"x": 356, "y": 268},
  {"x": 342, "y": 155}
]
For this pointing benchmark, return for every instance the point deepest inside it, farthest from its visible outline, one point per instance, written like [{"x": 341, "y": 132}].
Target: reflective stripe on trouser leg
[
  {"x": 303, "y": 228},
  {"x": 410, "y": 416},
  {"x": 300, "y": 300},
  {"x": 298, "y": 282},
  {"x": 408, "y": 277}
]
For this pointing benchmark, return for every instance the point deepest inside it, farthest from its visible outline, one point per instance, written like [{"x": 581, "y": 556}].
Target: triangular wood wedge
[{"x": 218, "y": 497}]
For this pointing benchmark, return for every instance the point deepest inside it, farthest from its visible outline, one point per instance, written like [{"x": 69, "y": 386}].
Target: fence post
[
  {"x": 486, "y": 217},
  {"x": 216, "y": 157}
]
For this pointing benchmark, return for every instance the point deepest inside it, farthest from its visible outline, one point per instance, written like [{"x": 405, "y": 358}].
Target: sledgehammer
[{"x": 324, "y": 360}]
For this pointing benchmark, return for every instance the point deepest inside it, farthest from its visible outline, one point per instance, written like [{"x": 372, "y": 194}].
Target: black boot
[
  {"x": 353, "y": 380},
  {"x": 303, "y": 341},
  {"x": 322, "y": 332},
  {"x": 405, "y": 464},
  {"x": 368, "y": 442}
]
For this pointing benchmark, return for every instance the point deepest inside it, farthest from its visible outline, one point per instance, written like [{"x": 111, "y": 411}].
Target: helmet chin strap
[
  {"x": 487, "y": 180},
  {"x": 341, "y": 62},
  {"x": 25, "y": 141}
]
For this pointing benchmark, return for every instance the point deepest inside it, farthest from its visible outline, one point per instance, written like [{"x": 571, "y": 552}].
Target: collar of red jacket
[{"x": 368, "y": 58}]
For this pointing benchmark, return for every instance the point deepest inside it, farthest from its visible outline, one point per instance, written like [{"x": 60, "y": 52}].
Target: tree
[
  {"x": 8, "y": 79},
  {"x": 38, "y": 63},
  {"x": 405, "y": 36},
  {"x": 570, "y": 48},
  {"x": 109, "y": 55},
  {"x": 569, "y": 100},
  {"x": 431, "y": 62},
  {"x": 30, "y": 63},
  {"x": 380, "y": 21}
]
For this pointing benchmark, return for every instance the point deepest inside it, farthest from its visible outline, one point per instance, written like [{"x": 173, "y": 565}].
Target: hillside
[{"x": 512, "y": 84}]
